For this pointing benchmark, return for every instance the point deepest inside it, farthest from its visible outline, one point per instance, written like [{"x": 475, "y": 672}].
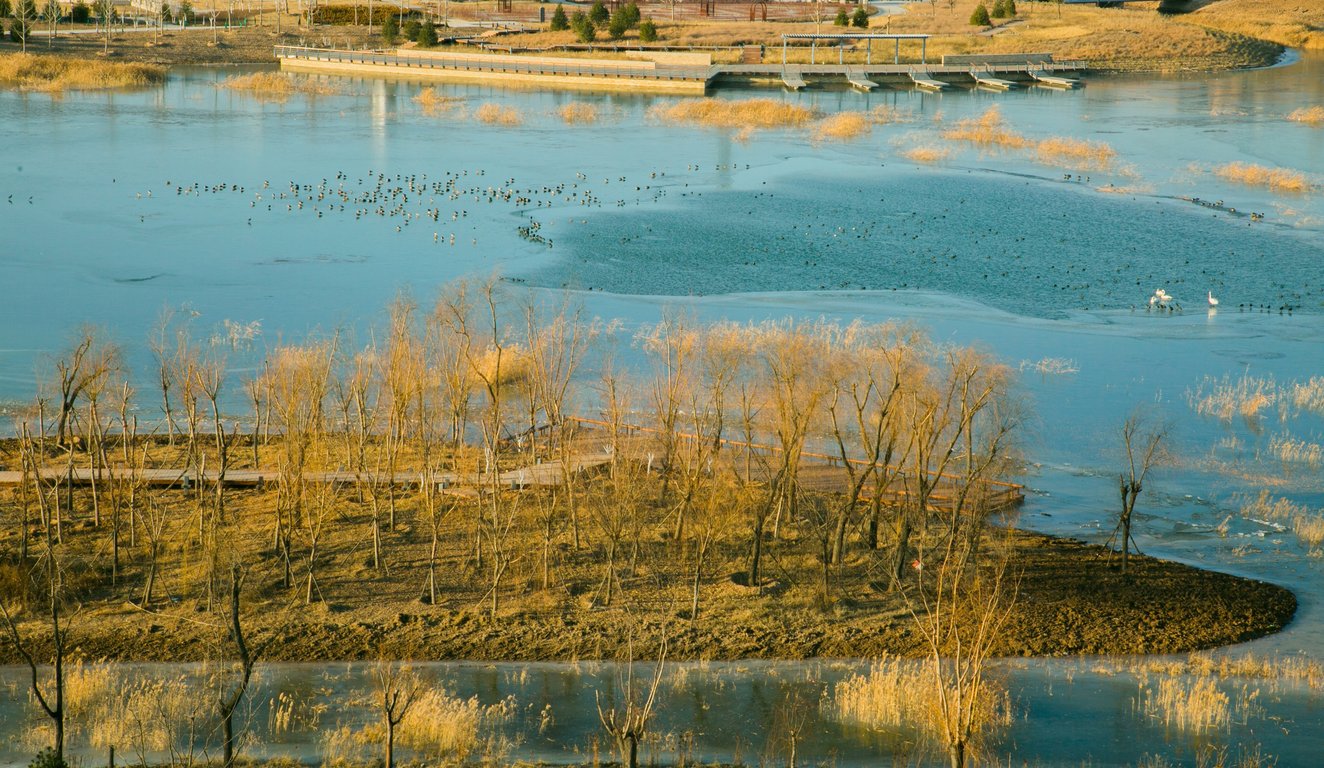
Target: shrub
[
  {"x": 560, "y": 22},
  {"x": 390, "y": 30},
  {"x": 980, "y": 17},
  {"x": 80, "y": 13},
  {"x": 861, "y": 18},
  {"x": 47, "y": 759},
  {"x": 4, "y": 8},
  {"x": 410, "y": 29},
  {"x": 345, "y": 15},
  {"x": 598, "y": 14},
  {"x": 842, "y": 19},
  {"x": 427, "y": 35},
  {"x": 647, "y": 31},
  {"x": 999, "y": 9}
]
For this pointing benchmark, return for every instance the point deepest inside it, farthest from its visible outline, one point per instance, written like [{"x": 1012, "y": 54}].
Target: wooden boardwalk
[{"x": 590, "y": 450}]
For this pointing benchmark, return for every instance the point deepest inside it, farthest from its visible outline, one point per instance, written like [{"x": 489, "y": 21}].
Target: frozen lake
[{"x": 119, "y": 205}]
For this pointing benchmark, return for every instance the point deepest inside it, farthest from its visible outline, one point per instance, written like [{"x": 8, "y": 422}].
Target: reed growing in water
[
  {"x": 495, "y": 114},
  {"x": 737, "y": 114},
  {"x": 577, "y": 112},
  {"x": 277, "y": 85},
  {"x": 1276, "y": 179},
  {"x": 34, "y": 72}
]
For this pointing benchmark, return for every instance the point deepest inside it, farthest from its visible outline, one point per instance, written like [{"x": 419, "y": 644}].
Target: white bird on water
[{"x": 1212, "y": 301}]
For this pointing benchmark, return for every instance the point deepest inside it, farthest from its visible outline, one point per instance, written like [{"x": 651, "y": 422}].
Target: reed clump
[
  {"x": 904, "y": 696},
  {"x": 1291, "y": 450},
  {"x": 277, "y": 85},
  {"x": 1187, "y": 704},
  {"x": 926, "y": 154},
  {"x": 738, "y": 114},
  {"x": 988, "y": 130},
  {"x": 1276, "y": 179},
  {"x": 578, "y": 113},
  {"x": 1307, "y": 525},
  {"x": 1077, "y": 154},
  {"x": 33, "y": 72},
  {"x": 1312, "y": 116},
  {"x": 434, "y": 102},
  {"x": 842, "y": 126},
  {"x": 496, "y": 114},
  {"x": 1225, "y": 398}
]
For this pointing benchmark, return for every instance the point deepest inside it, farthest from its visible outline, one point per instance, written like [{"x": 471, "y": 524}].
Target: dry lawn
[
  {"x": 1276, "y": 179},
  {"x": 32, "y": 72}
]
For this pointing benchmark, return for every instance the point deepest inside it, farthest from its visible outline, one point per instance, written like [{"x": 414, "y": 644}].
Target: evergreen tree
[
  {"x": 560, "y": 22},
  {"x": 842, "y": 19},
  {"x": 390, "y": 30},
  {"x": 860, "y": 18},
  {"x": 980, "y": 17},
  {"x": 599, "y": 14},
  {"x": 427, "y": 35},
  {"x": 647, "y": 31}
]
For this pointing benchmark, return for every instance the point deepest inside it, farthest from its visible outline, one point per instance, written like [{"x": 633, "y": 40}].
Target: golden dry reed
[
  {"x": 495, "y": 114},
  {"x": 578, "y": 112},
  {"x": 1077, "y": 154},
  {"x": 737, "y": 114},
  {"x": 926, "y": 154},
  {"x": 1276, "y": 179},
  {"x": 1187, "y": 704},
  {"x": 1312, "y": 116},
  {"x": 47, "y": 73},
  {"x": 902, "y": 695},
  {"x": 433, "y": 102},
  {"x": 1307, "y": 525},
  {"x": 842, "y": 126},
  {"x": 277, "y": 85},
  {"x": 1225, "y": 398},
  {"x": 988, "y": 130}
]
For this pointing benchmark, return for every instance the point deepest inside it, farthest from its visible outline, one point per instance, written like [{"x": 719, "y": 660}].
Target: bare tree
[
  {"x": 51, "y": 695},
  {"x": 626, "y": 719},
  {"x": 398, "y": 689},
  {"x": 229, "y": 698},
  {"x": 1143, "y": 442}
]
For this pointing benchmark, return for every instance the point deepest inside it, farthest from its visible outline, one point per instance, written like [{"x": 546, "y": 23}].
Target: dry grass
[
  {"x": 842, "y": 126},
  {"x": 434, "y": 103},
  {"x": 1051, "y": 366},
  {"x": 1076, "y": 154},
  {"x": 578, "y": 112},
  {"x": 1312, "y": 116},
  {"x": 1187, "y": 704},
  {"x": 1276, "y": 179},
  {"x": 495, "y": 114},
  {"x": 988, "y": 131},
  {"x": 902, "y": 696},
  {"x": 1307, "y": 396},
  {"x": 31, "y": 72},
  {"x": 277, "y": 85},
  {"x": 738, "y": 114},
  {"x": 926, "y": 154}
]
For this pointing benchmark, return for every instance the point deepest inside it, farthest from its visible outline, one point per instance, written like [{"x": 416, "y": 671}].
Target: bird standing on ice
[{"x": 1212, "y": 301}]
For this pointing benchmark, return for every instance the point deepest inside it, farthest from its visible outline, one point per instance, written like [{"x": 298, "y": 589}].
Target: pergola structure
[{"x": 813, "y": 39}]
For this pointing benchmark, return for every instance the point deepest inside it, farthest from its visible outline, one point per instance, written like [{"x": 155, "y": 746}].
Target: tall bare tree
[{"x": 1143, "y": 442}]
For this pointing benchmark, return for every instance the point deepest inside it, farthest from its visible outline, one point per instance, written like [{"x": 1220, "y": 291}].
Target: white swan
[{"x": 1212, "y": 301}]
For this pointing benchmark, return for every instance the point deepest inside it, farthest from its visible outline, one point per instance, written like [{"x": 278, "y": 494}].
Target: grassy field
[{"x": 1221, "y": 34}]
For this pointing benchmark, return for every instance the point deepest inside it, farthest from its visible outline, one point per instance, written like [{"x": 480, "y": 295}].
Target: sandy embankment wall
[{"x": 581, "y": 74}]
